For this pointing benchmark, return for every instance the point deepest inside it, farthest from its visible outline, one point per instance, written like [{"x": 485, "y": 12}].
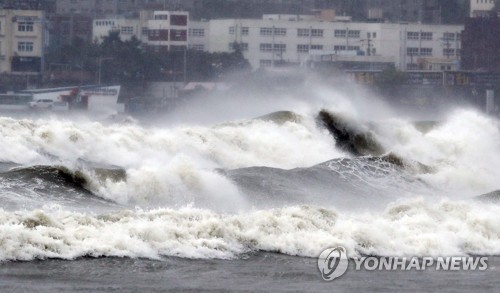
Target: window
[
  {"x": 412, "y": 51},
  {"x": 280, "y": 47},
  {"x": 412, "y": 35},
  {"x": 25, "y": 46},
  {"x": 316, "y": 47},
  {"x": 280, "y": 31},
  {"x": 245, "y": 31},
  {"x": 340, "y": 33},
  {"x": 266, "y": 31},
  {"x": 302, "y": 48},
  {"x": 374, "y": 35},
  {"x": 25, "y": 26},
  {"x": 425, "y": 51},
  {"x": 352, "y": 48},
  {"x": 265, "y": 47},
  {"x": 161, "y": 16},
  {"x": 317, "y": 33},
  {"x": 243, "y": 47},
  {"x": 158, "y": 35},
  {"x": 353, "y": 34},
  {"x": 178, "y": 35},
  {"x": 127, "y": 30},
  {"x": 180, "y": 20},
  {"x": 198, "y": 47},
  {"x": 339, "y": 48},
  {"x": 231, "y": 30},
  {"x": 266, "y": 63},
  {"x": 448, "y": 52},
  {"x": 303, "y": 32},
  {"x": 197, "y": 32},
  {"x": 426, "y": 36},
  {"x": 448, "y": 36}
]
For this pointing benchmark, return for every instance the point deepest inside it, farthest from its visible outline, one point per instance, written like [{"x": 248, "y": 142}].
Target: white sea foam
[
  {"x": 410, "y": 228},
  {"x": 173, "y": 165},
  {"x": 464, "y": 150}
]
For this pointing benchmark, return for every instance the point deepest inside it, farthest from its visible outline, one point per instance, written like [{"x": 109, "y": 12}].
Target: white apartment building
[
  {"x": 21, "y": 41},
  {"x": 276, "y": 39},
  {"x": 480, "y": 8},
  {"x": 160, "y": 30}
]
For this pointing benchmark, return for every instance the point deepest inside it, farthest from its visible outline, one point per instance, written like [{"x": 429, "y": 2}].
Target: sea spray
[{"x": 404, "y": 228}]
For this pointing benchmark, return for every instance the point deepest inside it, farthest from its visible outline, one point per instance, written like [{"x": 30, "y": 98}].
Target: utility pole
[
  {"x": 99, "y": 71},
  {"x": 185, "y": 66},
  {"x": 369, "y": 45},
  {"x": 447, "y": 46}
]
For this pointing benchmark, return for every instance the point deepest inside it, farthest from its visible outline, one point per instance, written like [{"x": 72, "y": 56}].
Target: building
[
  {"x": 21, "y": 41},
  {"x": 159, "y": 30},
  {"x": 422, "y": 11},
  {"x": 481, "y": 8},
  {"x": 63, "y": 29},
  {"x": 287, "y": 39},
  {"x": 27, "y": 4},
  {"x": 481, "y": 44}
]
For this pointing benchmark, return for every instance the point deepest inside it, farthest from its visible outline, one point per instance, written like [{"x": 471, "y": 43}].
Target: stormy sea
[{"x": 243, "y": 195}]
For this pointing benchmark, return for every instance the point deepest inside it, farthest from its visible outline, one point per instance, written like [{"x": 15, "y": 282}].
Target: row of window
[
  {"x": 427, "y": 36},
  {"x": 419, "y": 51},
  {"x": 197, "y": 32},
  {"x": 104, "y": 23},
  {"x": 451, "y": 36},
  {"x": 164, "y": 35},
  {"x": 305, "y": 48},
  {"x": 127, "y": 30},
  {"x": 266, "y": 47},
  {"x": 301, "y": 48},
  {"x": 301, "y": 32}
]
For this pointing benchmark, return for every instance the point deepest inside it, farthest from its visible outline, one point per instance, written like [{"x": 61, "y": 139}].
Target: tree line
[{"x": 117, "y": 61}]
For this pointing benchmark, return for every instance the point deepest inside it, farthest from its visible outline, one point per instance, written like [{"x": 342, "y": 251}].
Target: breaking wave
[
  {"x": 281, "y": 182},
  {"x": 411, "y": 228}
]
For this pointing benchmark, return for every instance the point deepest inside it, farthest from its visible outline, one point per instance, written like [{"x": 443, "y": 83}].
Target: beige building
[
  {"x": 159, "y": 30},
  {"x": 21, "y": 39},
  {"x": 275, "y": 40}
]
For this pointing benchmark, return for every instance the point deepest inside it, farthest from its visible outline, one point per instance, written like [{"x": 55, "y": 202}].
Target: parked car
[{"x": 42, "y": 104}]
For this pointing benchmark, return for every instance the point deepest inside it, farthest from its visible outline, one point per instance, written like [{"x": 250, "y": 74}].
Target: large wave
[{"x": 277, "y": 183}]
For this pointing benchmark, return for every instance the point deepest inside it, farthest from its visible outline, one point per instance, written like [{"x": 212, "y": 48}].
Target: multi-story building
[
  {"x": 481, "y": 44},
  {"x": 26, "y": 4},
  {"x": 423, "y": 11},
  {"x": 480, "y": 8},
  {"x": 21, "y": 41},
  {"x": 159, "y": 30},
  {"x": 278, "y": 39}
]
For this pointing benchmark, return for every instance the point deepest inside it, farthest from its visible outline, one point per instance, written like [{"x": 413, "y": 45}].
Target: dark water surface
[{"x": 258, "y": 272}]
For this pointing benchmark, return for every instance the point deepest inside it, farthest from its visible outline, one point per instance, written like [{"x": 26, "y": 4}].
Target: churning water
[{"x": 284, "y": 183}]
